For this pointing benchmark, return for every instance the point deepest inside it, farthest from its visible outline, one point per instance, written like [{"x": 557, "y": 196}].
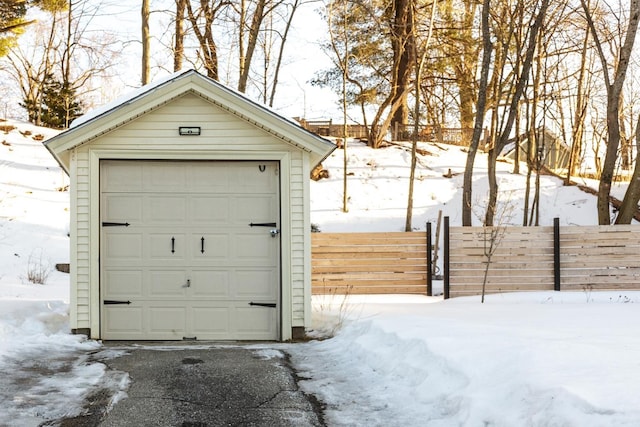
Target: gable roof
[{"x": 147, "y": 98}]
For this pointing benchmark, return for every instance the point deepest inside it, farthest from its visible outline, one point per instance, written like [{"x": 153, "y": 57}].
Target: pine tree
[
  {"x": 12, "y": 22},
  {"x": 59, "y": 105}
]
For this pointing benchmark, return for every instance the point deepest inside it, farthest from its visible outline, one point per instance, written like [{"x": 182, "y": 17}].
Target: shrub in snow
[{"x": 38, "y": 269}]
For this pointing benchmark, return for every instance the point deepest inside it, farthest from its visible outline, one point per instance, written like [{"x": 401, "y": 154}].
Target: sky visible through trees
[{"x": 562, "y": 68}]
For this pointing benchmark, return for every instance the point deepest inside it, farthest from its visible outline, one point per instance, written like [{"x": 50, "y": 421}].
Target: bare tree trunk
[
  {"x": 208, "y": 51},
  {"x": 614, "y": 90},
  {"x": 66, "y": 53},
  {"x": 285, "y": 34},
  {"x": 580, "y": 115},
  {"x": 342, "y": 57},
  {"x": 402, "y": 39},
  {"x": 419, "y": 65},
  {"x": 378, "y": 130},
  {"x": 517, "y": 142},
  {"x": 146, "y": 41},
  {"x": 521, "y": 83},
  {"x": 535, "y": 140},
  {"x": 463, "y": 54},
  {"x": 247, "y": 56},
  {"x": 345, "y": 133},
  {"x": 178, "y": 47},
  {"x": 487, "y": 48},
  {"x": 632, "y": 195}
]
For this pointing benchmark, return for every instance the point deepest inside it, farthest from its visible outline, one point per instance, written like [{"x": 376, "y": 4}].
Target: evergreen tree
[
  {"x": 13, "y": 18},
  {"x": 12, "y": 22},
  {"x": 59, "y": 105}
]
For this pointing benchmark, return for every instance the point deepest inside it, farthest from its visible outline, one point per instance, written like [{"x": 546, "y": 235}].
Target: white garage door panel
[
  {"x": 123, "y": 247},
  {"x": 233, "y": 322},
  {"x": 249, "y": 179},
  {"x": 165, "y": 210},
  {"x": 255, "y": 284},
  {"x": 211, "y": 322},
  {"x": 124, "y": 322},
  {"x": 210, "y": 180},
  {"x": 253, "y": 321},
  {"x": 189, "y": 261},
  {"x": 167, "y": 247},
  {"x": 254, "y": 248},
  {"x": 216, "y": 247},
  {"x": 207, "y": 211},
  {"x": 121, "y": 207},
  {"x": 209, "y": 284},
  {"x": 124, "y": 284},
  {"x": 258, "y": 208},
  {"x": 169, "y": 321},
  {"x": 167, "y": 284},
  {"x": 162, "y": 177},
  {"x": 121, "y": 177}
]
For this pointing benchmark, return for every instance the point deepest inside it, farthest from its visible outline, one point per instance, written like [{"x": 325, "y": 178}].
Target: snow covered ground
[
  {"x": 540, "y": 359},
  {"x": 378, "y": 189}
]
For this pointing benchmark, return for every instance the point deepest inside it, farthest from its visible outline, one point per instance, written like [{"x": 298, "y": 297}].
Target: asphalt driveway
[{"x": 199, "y": 385}]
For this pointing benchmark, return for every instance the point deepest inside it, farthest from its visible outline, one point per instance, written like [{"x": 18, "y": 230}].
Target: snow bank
[
  {"x": 535, "y": 359},
  {"x": 45, "y": 371}
]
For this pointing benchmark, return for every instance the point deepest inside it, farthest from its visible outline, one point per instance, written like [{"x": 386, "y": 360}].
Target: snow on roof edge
[
  {"x": 151, "y": 87},
  {"x": 126, "y": 98}
]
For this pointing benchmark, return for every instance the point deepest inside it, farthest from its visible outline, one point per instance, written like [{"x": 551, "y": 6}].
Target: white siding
[
  {"x": 297, "y": 240},
  {"x": 82, "y": 239},
  {"x": 219, "y": 129},
  {"x": 155, "y": 136}
]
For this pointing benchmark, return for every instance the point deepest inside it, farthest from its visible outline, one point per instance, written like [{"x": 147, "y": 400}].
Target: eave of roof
[{"x": 113, "y": 115}]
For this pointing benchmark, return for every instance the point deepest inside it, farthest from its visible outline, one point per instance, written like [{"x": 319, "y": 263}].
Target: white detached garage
[{"x": 189, "y": 216}]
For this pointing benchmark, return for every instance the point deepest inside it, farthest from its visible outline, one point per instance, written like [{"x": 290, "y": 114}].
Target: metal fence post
[
  {"x": 446, "y": 258},
  {"x": 429, "y": 262},
  {"x": 556, "y": 254}
]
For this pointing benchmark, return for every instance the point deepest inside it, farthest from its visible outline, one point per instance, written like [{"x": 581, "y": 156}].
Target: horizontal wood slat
[
  {"x": 592, "y": 257},
  {"x": 369, "y": 263}
]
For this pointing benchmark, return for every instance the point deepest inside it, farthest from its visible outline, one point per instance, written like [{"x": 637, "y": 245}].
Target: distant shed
[
  {"x": 555, "y": 153},
  {"x": 189, "y": 216}
]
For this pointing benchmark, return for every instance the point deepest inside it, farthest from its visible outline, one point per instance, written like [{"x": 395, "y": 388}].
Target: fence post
[
  {"x": 429, "y": 262},
  {"x": 446, "y": 258},
  {"x": 556, "y": 254}
]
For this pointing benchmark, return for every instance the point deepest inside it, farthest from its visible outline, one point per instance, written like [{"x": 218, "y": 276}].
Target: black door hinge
[
  {"x": 113, "y": 302},
  {"x": 115, "y": 224},
  {"x": 262, "y": 224},
  {"x": 263, "y": 304}
]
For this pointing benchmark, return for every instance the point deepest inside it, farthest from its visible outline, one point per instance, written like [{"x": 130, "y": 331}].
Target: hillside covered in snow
[{"x": 378, "y": 184}]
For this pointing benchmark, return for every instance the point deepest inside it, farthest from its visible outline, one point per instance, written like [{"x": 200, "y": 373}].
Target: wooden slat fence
[
  {"x": 525, "y": 259},
  {"x": 600, "y": 257},
  {"x": 369, "y": 263},
  {"x": 530, "y": 259},
  {"x": 522, "y": 259}
]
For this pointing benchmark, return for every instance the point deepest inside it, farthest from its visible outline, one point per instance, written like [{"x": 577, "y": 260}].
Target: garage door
[{"x": 189, "y": 250}]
